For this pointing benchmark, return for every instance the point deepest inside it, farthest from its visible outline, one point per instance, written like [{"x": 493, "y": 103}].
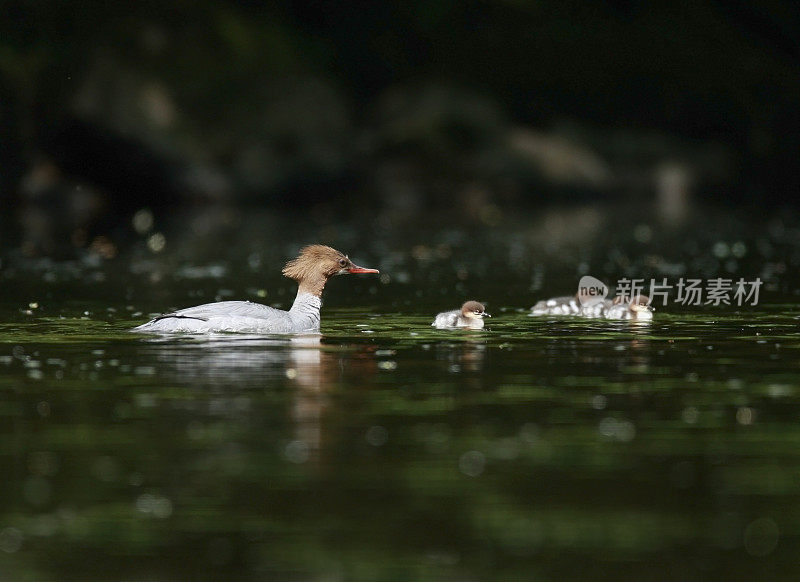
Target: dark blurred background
[
  {"x": 158, "y": 155},
  {"x": 115, "y": 116}
]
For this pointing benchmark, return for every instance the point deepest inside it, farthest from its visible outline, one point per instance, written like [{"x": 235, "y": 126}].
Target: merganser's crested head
[
  {"x": 474, "y": 310},
  {"x": 316, "y": 264}
]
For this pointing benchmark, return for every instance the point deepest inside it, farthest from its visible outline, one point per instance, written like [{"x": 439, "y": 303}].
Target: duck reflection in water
[
  {"x": 229, "y": 367},
  {"x": 605, "y": 348},
  {"x": 465, "y": 356}
]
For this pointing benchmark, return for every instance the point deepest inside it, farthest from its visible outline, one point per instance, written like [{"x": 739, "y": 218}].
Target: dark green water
[
  {"x": 382, "y": 449},
  {"x": 536, "y": 449}
]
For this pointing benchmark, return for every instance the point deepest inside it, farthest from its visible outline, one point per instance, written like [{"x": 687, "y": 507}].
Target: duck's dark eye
[{"x": 342, "y": 262}]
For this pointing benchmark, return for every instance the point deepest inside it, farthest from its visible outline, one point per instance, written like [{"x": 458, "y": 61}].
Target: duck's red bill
[{"x": 357, "y": 269}]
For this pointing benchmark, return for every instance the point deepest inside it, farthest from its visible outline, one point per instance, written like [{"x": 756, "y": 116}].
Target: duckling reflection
[
  {"x": 465, "y": 356},
  {"x": 607, "y": 348},
  {"x": 639, "y": 348}
]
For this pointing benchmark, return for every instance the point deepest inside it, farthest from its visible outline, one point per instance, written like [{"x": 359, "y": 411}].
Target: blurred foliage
[{"x": 279, "y": 96}]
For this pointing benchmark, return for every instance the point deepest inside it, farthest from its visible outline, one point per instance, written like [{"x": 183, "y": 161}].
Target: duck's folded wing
[
  {"x": 566, "y": 305},
  {"x": 446, "y": 319},
  {"x": 224, "y": 309}
]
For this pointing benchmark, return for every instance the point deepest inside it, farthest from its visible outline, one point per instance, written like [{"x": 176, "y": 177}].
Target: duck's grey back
[
  {"x": 447, "y": 319},
  {"x": 239, "y": 316}
]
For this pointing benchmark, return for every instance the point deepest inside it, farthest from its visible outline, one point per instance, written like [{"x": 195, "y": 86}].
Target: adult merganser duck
[
  {"x": 311, "y": 269},
  {"x": 470, "y": 315},
  {"x": 623, "y": 307}
]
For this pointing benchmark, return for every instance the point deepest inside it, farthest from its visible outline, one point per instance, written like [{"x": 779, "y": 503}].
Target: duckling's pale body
[
  {"x": 623, "y": 307},
  {"x": 566, "y": 305},
  {"x": 311, "y": 269},
  {"x": 470, "y": 315},
  {"x": 569, "y": 305}
]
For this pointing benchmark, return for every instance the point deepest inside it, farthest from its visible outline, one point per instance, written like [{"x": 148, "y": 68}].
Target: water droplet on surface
[
  {"x": 43, "y": 409},
  {"x": 105, "y": 468},
  {"x": 761, "y": 537},
  {"x": 11, "y": 540},
  {"x": 156, "y": 242},
  {"x": 745, "y": 415},
  {"x": 529, "y": 432},
  {"x": 599, "y": 402},
  {"x": 142, "y": 221},
  {"x": 472, "y": 463},
  {"x": 296, "y": 452},
  {"x": 43, "y": 463},
  {"x": 690, "y": 415},
  {"x": 37, "y": 490},
  {"x": 720, "y": 250},
  {"x": 377, "y": 435},
  {"x": 642, "y": 233}
]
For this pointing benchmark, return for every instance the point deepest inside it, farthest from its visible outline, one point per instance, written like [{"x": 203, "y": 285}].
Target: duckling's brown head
[{"x": 474, "y": 310}]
